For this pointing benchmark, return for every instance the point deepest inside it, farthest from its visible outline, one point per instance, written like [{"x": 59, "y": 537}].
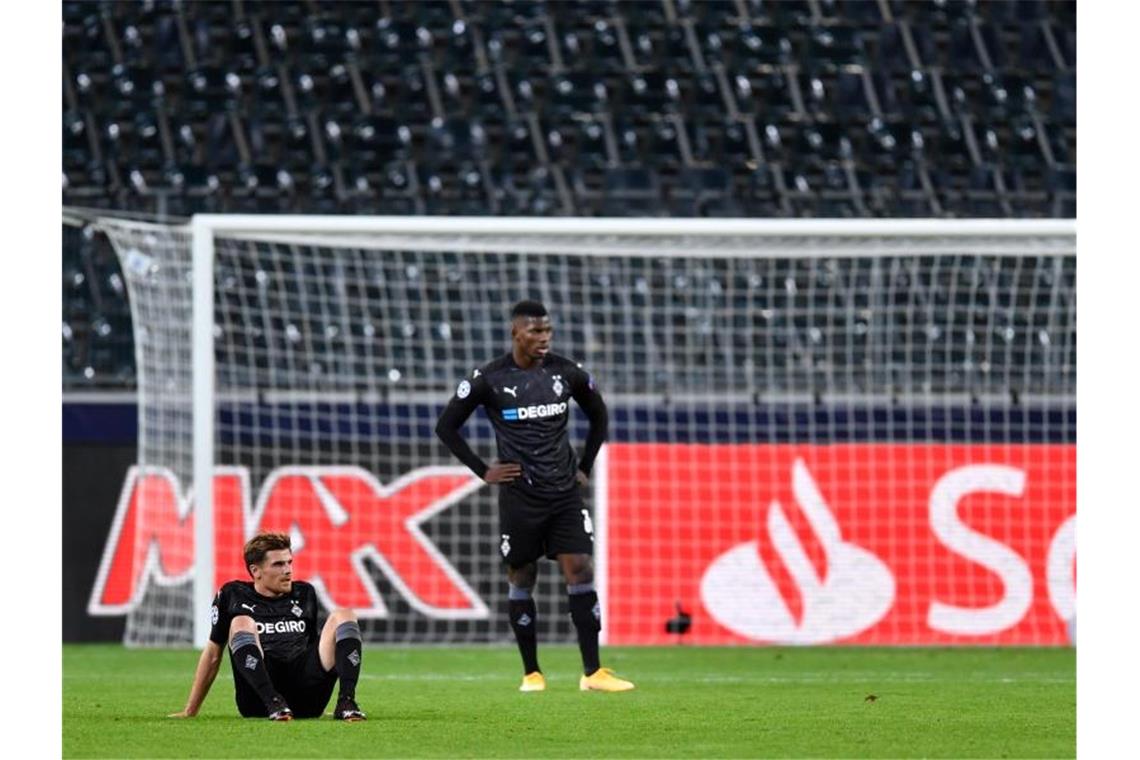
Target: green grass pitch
[{"x": 689, "y": 702}]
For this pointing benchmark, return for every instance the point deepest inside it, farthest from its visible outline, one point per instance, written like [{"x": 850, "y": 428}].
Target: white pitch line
[{"x": 806, "y": 678}]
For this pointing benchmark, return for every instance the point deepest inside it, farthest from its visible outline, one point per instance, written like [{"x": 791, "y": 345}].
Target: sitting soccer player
[{"x": 282, "y": 667}]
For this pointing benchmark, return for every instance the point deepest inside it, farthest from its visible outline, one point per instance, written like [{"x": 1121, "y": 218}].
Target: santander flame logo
[{"x": 855, "y": 590}]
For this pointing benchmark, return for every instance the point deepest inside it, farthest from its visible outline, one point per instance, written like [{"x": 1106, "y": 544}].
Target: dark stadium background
[{"x": 811, "y": 108}]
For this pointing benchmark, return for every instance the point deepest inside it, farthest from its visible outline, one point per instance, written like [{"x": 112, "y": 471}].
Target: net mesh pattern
[{"x": 340, "y": 351}]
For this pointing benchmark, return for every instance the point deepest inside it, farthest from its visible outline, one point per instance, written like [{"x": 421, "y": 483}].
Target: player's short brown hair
[{"x": 260, "y": 545}]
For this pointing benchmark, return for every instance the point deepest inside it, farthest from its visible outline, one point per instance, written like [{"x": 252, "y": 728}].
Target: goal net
[{"x": 820, "y": 431}]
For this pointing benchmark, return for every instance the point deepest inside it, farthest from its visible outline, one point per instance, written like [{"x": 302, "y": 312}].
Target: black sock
[
  {"x": 587, "y": 619},
  {"x": 250, "y": 663},
  {"x": 348, "y": 654},
  {"x": 524, "y": 615}
]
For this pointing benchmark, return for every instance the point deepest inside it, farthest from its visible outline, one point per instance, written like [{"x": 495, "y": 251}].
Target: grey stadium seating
[{"x": 755, "y": 108}]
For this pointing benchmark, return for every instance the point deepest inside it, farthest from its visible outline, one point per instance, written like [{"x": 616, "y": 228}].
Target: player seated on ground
[
  {"x": 540, "y": 477},
  {"x": 282, "y": 667}
]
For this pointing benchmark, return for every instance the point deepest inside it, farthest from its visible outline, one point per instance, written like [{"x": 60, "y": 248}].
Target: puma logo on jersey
[
  {"x": 249, "y": 606},
  {"x": 511, "y": 390}
]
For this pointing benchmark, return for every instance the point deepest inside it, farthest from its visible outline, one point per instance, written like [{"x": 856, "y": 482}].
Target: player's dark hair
[
  {"x": 528, "y": 309},
  {"x": 260, "y": 545}
]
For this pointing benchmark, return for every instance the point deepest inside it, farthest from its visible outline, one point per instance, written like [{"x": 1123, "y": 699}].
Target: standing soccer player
[
  {"x": 541, "y": 511},
  {"x": 282, "y": 667}
]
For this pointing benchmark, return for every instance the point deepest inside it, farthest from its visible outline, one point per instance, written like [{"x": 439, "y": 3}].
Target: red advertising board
[
  {"x": 859, "y": 543},
  {"x": 805, "y": 544}
]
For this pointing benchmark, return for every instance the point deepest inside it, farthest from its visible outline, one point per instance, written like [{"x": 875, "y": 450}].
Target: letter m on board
[
  {"x": 152, "y": 536},
  {"x": 337, "y": 516}
]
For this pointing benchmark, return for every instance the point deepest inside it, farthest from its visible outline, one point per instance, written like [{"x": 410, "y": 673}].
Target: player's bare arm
[{"x": 204, "y": 676}]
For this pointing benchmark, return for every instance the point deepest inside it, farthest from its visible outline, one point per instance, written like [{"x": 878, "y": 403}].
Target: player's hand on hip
[
  {"x": 583, "y": 478},
  {"x": 502, "y": 472}
]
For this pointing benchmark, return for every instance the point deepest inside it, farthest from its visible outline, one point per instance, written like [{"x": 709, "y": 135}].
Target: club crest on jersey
[
  {"x": 505, "y": 546},
  {"x": 296, "y": 610},
  {"x": 558, "y": 385}
]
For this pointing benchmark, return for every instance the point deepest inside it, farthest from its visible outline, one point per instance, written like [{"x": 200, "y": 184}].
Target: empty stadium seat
[
  {"x": 703, "y": 191},
  {"x": 303, "y": 83}
]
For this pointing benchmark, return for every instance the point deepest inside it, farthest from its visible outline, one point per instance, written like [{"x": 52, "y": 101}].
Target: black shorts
[
  {"x": 304, "y": 684},
  {"x": 532, "y": 526}
]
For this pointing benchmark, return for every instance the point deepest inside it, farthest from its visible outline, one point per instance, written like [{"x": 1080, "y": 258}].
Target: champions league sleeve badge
[{"x": 464, "y": 389}]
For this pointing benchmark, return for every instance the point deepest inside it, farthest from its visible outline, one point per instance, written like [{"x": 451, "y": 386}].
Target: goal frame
[{"x": 205, "y": 228}]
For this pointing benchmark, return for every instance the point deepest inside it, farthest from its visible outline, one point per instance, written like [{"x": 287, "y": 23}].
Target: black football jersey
[
  {"x": 286, "y": 625},
  {"x": 529, "y": 409}
]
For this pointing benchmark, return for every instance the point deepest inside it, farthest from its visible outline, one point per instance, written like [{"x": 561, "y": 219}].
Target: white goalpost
[{"x": 821, "y": 430}]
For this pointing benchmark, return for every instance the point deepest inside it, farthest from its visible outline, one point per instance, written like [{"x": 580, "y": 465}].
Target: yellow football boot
[
  {"x": 603, "y": 679},
  {"x": 533, "y": 682}
]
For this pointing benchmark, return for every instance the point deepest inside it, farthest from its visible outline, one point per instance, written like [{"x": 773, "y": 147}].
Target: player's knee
[
  {"x": 342, "y": 615},
  {"x": 523, "y": 577},
  {"x": 242, "y": 623},
  {"x": 581, "y": 578},
  {"x": 578, "y": 569}
]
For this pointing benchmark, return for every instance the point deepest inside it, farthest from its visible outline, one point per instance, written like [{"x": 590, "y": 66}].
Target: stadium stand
[{"x": 795, "y": 108}]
